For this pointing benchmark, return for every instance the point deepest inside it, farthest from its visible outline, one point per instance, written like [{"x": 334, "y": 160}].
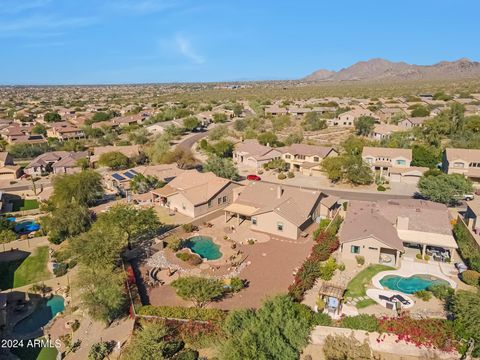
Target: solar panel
[
  {"x": 129, "y": 174},
  {"x": 118, "y": 177}
]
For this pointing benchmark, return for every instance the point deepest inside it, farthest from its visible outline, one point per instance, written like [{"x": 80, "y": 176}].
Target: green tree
[
  {"x": 184, "y": 158},
  {"x": 139, "y": 137},
  {"x": 280, "y": 122},
  {"x": 7, "y": 235},
  {"x": 357, "y": 171},
  {"x": 134, "y": 224},
  {"x": 191, "y": 123},
  {"x": 27, "y": 150},
  {"x": 142, "y": 184},
  {"x": 160, "y": 147},
  {"x": 353, "y": 145},
  {"x": 295, "y": 138},
  {"x": 472, "y": 123},
  {"x": 341, "y": 347},
  {"x": 115, "y": 160},
  {"x": 419, "y": 111},
  {"x": 52, "y": 117},
  {"x": 313, "y": 122},
  {"x": 425, "y": 156},
  {"x": 223, "y": 148},
  {"x": 153, "y": 342},
  {"x": 102, "y": 292},
  {"x": 199, "y": 290},
  {"x": 364, "y": 125},
  {"x": 220, "y": 118},
  {"x": 333, "y": 166},
  {"x": 267, "y": 138},
  {"x": 465, "y": 307},
  {"x": 444, "y": 188},
  {"x": 278, "y": 330},
  {"x": 39, "y": 129},
  {"x": 84, "y": 188},
  {"x": 99, "y": 351},
  {"x": 222, "y": 167},
  {"x": 218, "y": 132},
  {"x": 99, "y": 117}
]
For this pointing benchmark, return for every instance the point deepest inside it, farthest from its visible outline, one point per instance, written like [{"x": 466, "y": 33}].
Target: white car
[{"x": 468, "y": 197}]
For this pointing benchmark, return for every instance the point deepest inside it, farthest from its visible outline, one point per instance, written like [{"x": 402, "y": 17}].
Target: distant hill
[{"x": 384, "y": 70}]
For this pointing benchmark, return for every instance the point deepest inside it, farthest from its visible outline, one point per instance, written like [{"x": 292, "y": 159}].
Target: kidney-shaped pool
[
  {"x": 412, "y": 284},
  {"x": 205, "y": 247}
]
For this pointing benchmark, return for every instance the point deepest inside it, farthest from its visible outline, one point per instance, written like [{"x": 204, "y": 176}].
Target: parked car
[
  {"x": 253, "y": 177},
  {"x": 468, "y": 197}
]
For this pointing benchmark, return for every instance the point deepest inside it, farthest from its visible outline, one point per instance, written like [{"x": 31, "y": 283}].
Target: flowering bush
[{"x": 430, "y": 333}]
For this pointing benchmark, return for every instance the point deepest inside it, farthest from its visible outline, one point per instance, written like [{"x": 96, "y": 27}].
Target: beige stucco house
[
  {"x": 306, "y": 159},
  {"x": 347, "y": 119},
  {"x": 252, "y": 154},
  {"x": 8, "y": 169},
  {"x": 392, "y": 164},
  {"x": 384, "y": 231},
  {"x": 194, "y": 194},
  {"x": 283, "y": 211},
  {"x": 462, "y": 161}
]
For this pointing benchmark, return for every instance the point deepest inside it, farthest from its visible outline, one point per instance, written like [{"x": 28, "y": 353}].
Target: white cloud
[{"x": 185, "y": 48}]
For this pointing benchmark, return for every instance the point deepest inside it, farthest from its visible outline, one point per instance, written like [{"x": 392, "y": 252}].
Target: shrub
[
  {"x": 426, "y": 257},
  {"x": 75, "y": 325},
  {"x": 345, "y": 206},
  {"x": 60, "y": 269},
  {"x": 419, "y": 256},
  {"x": 250, "y": 241},
  {"x": 281, "y": 176},
  {"x": 468, "y": 247},
  {"x": 360, "y": 259},
  {"x": 189, "y": 228},
  {"x": 186, "y": 354},
  {"x": 192, "y": 259},
  {"x": 360, "y": 322},
  {"x": 175, "y": 243},
  {"x": 471, "y": 277},
  {"x": 321, "y": 319},
  {"x": 381, "y": 188},
  {"x": 236, "y": 284},
  {"x": 441, "y": 291},
  {"x": 290, "y": 174},
  {"x": 179, "y": 312},
  {"x": 320, "y": 305},
  {"x": 327, "y": 269},
  {"x": 348, "y": 348},
  {"x": 424, "y": 295},
  {"x": 341, "y": 267}
]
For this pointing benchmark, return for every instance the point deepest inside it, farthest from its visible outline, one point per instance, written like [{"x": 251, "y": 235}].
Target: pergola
[
  {"x": 239, "y": 210},
  {"x": 333, "y": 294}
]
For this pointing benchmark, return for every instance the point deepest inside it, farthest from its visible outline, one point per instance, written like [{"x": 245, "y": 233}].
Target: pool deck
[
  {"x": 374, "y": 295},
  {"x": 410, "y": 268}
]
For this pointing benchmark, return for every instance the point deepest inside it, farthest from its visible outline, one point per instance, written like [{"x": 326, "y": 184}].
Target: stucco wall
[
  {"x": 369, "y": 249},
  {"x": 267, "y": 222}
]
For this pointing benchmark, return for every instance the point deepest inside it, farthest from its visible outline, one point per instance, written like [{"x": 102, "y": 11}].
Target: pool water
[
  {"x": 205, "y": 247},
  {"x": 411, "y": 284},
  {"x": 26, "y": 226},
  {"x": 41, "y": 316}
]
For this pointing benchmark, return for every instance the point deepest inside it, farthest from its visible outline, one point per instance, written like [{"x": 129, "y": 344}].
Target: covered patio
[
  {"x": 440, "y": 247},
  {"x": 332, "y": 295},
  {"x": 240, "y": 212}
]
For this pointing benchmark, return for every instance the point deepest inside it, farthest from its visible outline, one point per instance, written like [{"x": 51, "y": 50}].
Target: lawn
[
  {"x": 35, "y": 353},
  {"x": 357, "y": 286},
  {"x": 23, "y": 204},
  {"x": 26, "y": 271},
  {"x": 365, "y": 303}
]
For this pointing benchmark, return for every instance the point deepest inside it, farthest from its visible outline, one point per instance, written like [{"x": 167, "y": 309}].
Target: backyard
[
  {"x": 358, "y": 285},
  {"x": 24, "y": 269}
]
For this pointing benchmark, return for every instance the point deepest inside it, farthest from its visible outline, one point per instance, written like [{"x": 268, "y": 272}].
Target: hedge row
[
  {"x": 467, "y": 246},
  {"x": 175, "y": 312}
]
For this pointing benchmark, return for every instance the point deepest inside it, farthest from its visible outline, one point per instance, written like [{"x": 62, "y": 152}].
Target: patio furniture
[
  {"x": 384, "y": 298},
  {"x": 400, "y": 298}
]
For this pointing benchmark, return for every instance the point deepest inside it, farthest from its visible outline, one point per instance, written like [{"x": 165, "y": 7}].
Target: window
[
  {"x": 372, "y": 248},
  {"x": 355, "y": 249},
  {"x": 183, "y": 206},
  {"x": 287, "y": 156},
  {"x": 316, "y": 159},
  {"x": 279, "y": 226},
  {"x": 219, "y": 200},
  {"x": 209, "y": 203},
  {"x": 458, "y": 165},
  {"x": 224, "y": 199},
  {"x": 254, "y": 220},
  {"x": 401, "y": 162}
]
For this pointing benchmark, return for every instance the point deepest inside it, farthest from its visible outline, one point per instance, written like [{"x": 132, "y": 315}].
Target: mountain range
[{"x": 384, "y": 70}]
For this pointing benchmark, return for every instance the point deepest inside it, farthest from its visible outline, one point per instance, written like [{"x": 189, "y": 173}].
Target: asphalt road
[{"x": 187, "y": 143}]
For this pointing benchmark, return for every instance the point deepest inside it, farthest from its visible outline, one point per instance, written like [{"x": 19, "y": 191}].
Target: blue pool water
[
  {"x": 411, "y": 284},
  {"x": 41, "y": 316},
  {"x": 26, "y": 226},
  {"x": 205, "y": 247}
]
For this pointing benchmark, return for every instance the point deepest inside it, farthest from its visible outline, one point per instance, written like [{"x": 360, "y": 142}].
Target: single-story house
[
  {"x": 284, "y": 211},
  {"x": 194, "y": 194},
  {"x": 384, "y": 131},
  {"x": 251, "y": 153},
  {"x": 384, "y": 231},
  {"x": 58, "y": 162}
]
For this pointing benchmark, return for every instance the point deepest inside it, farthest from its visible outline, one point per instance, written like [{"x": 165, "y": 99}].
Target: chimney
[{"x": 279, "y": 192}]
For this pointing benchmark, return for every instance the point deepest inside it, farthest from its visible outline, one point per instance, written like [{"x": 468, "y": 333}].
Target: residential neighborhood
[{"x": 178, "y": 181}]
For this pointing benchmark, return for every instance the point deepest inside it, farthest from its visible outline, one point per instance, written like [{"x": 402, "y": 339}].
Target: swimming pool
[
  {"x": 205, "y": 247},
  {"x": 26, "y": 226},
  {"x": 41, "y": 316},
  {"x": 412, "y": 284}
]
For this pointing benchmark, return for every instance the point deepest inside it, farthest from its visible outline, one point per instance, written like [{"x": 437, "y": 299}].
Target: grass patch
[
  {"x": 25, "y": 271},
  {"x": 365, "y": 303},
  {"x": 357, "y": 286},
  {"x": 23, "y": 204}
]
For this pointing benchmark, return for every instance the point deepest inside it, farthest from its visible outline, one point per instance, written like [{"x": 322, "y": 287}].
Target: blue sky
[{"x": 137, "y": 41}]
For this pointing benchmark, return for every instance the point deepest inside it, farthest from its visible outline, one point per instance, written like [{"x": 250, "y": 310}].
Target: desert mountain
[{"x": 383, "y": 70}]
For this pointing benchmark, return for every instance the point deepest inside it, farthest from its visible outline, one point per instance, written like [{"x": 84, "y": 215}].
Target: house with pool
[
  {"x": 385, "y": 231},
  {"x": 282, "y": 211},
  {"x": 194, "y": 194}
]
